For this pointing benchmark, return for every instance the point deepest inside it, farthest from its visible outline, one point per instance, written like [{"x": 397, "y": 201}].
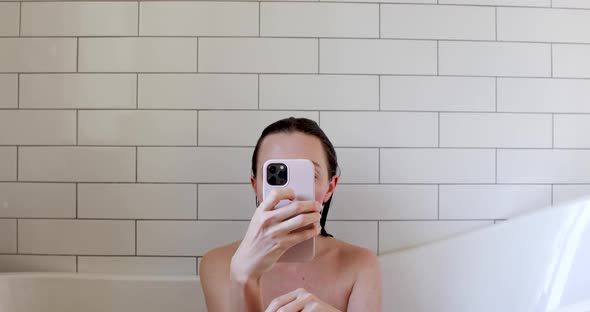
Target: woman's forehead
[{"x": 292, "y": 145}]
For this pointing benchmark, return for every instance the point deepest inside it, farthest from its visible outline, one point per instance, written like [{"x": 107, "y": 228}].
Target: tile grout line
[
  {"x": 136, "y": 165},
  {"x": 77, "y": 125},
  {"x": 77, "y": 200},
  {"x": 18, "y": 91},
  {"x": 378, "y": 234},
  {"x": 77, "y": 53},
  {"x": 197, "y": 66},
  {"x": 17, "y": 235},
  {"x": 378, "y": 165},
  {"x": 437, "y": 58},
  {"x": 197, "y": 200},
  {"x": 496, "y": 176},
  {"x": 20, "y": 18},
  {"x": 438, "y": 201},
  {"x": 379, "y": 92},
  {"x": 17, "y": 147},
  {"x": 552, "y": 130},
  {"x": 551, "y": 57},
  {"x": 136, "y": 237},
  {"x": 138, "y": 15},
  {"x": 379, "y": 21},
  {"x": 137, "y": 91},
  {"x": 318, "y": 55},
  {"x": 438, "y": 129},
  {"x": 76, "y": 263},
  {"x": 259, "y": 18},
  {"x": 198, "y": 122},
  {"x": 496, "y": 94},
  {"x": 496, "y": 20}
]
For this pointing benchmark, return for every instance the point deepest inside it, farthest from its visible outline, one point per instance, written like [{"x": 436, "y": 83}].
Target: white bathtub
[{"x": 539, "y": 262}]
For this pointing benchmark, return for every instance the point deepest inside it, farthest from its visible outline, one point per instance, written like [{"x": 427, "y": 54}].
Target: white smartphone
[{"x": 299, "y": 175}]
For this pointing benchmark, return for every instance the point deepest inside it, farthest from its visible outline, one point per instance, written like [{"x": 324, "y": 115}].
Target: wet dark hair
[{"x": 310, "y": 127}]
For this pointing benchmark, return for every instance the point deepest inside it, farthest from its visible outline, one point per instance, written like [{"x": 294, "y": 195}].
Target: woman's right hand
[{"x": 269, "y": 233}]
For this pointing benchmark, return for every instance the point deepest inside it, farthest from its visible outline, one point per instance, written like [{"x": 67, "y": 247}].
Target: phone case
[{"x": 300, "y": 177}]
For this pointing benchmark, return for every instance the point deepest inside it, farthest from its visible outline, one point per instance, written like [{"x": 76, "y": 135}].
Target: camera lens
[
  {"x": 272, "y": 169},
  {"x": 283, "y": 174},
  {"x": 272, "y": 181}
]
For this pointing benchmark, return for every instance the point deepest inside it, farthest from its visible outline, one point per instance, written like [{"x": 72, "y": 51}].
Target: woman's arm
[{"x": 366, "y": 292}]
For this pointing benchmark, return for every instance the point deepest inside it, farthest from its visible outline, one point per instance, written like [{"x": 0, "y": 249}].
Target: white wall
[{"x": 116, "y": 118}]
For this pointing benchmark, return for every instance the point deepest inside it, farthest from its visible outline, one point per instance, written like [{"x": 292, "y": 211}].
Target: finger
[
  {"x": 275, "y": 196},
  {"x": 282, "y": 300},
  {"x": 295, "y": 208},
  {"x": 299, "y": 303},
  {"x": 295, "y": 223},
  {"x": 298, "y": 237}
]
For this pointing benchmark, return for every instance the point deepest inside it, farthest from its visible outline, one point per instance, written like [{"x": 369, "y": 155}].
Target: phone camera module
[{"x": 276, "y": 174}]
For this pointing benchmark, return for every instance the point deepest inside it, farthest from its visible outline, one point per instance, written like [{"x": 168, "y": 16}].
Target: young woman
[{"x": 245, "y": 275}]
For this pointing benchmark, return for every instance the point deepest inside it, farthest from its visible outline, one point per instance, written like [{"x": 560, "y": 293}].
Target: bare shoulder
[
  {"x": 356, "y": 257},
  {"x": 217, "y": 259},
  {"x": 215, "y": 263}
]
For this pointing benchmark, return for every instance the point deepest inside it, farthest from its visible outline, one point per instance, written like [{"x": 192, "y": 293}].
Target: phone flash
[{"x": 282, "y": 167}]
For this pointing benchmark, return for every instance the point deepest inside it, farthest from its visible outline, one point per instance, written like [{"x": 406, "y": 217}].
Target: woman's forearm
[{"x": 245, "y": 295}]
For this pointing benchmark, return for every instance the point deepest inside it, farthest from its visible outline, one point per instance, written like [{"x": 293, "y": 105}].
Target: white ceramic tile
[
  {"x": 118, "y": 18},
  {"x": 368, "y": 56},
  {"x": 359, "y": 233},
  {"x": 245, "y": 126},
  {"x": 133, "y": 127},
  {"x": 138, "y": 265},
  {"x": 381, "y": 129},
  {"x": 582, "y": 4},
  {"x": 384, "y": 1},
  {"x": 571, "y": 131},
  {"x": 197, "y": 165},
  {"x": 7, "y": 235},
  {"x": 358, "y": 165},
  {"x": 35, "y": 127},
  {"x": 570, "y": 60},
  {"x": 226, "y": 201},
  {"x": 38, "y": 54},
  {"x": 543, "y": 95},
  {"x": 137, "y": 201},
  {"x": 494, "y": 59},
  {"x": 374, "y": 202},
  {"x": 564, "y": 193},
  {"x": 543, "y": 25},
  {"x": 34, "y": 263},
  {"x": 258, "y": 55},
  {"x": 535, "y": 3},
  {"x": 37, "y": 200},
  {"x": 9, "y": 19},
  {"x": 8, "y": 91},
  {"x": 444, "y": 93},
  {"x": 186, "y": 238},
  {"x": 7, "y": 163},
  {"x": 198, "y": 91},
  {"x": 437, "y": 22},
  {"x": 137, "y": 55},
  {"x": 543, "y": 166},
  {"x": 495, "y": 130},
  {"x": 398, "y": 235},
  {"x": 492, "y": 201},
  {"x": 319, "y": 92},
  {"x": 183, "y": 18},
  {"x": 77, "y": 164},
  {"x": 437, "y": 165},
  {"x": 321, "y": 19},
  {"x": 80, "y": 237},
  {"x": 78, "y": 91}
]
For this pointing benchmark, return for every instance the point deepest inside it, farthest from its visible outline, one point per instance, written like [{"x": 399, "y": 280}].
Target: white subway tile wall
[{"x": 125, "y": 146}]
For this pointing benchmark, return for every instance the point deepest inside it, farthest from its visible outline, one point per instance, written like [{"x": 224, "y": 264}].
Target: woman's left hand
[{"x": 299, "y": 300}]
